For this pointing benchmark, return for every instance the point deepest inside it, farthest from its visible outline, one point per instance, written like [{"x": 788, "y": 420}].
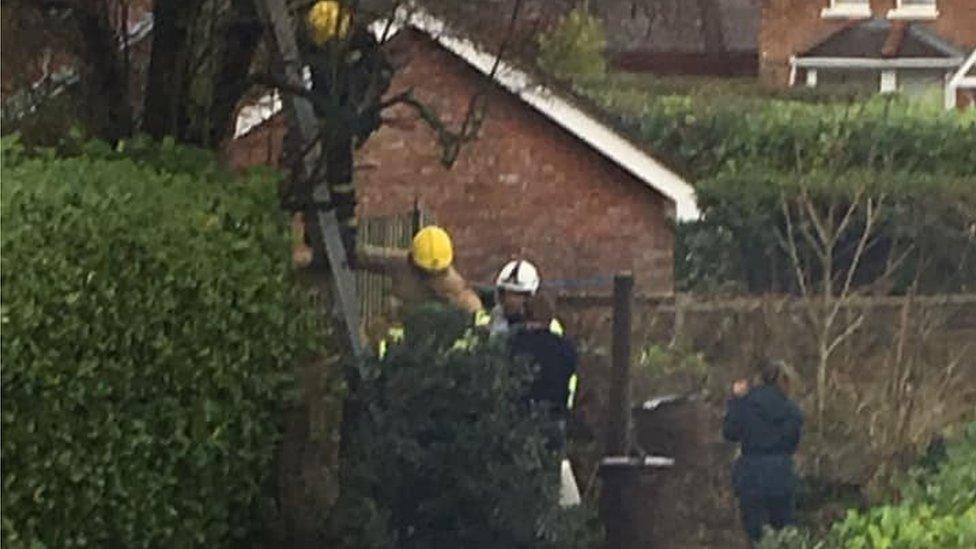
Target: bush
[
  {"x": 442, "y": 454},
  {"x": 703, "y": 136},
  {"x": 574, "y": 48},
  {"x": 737, "y": 244},
  {"x": 149, "y": 324},
  {"x": 939, "y": 511}
]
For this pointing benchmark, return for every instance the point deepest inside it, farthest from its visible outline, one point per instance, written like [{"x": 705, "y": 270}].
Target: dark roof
[
  {"x": 881, "y": 38},
  {"x": 677, "y": 26}
]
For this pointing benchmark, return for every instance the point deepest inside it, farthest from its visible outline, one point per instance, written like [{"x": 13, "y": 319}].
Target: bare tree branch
[{"x": 851, "y": 328}]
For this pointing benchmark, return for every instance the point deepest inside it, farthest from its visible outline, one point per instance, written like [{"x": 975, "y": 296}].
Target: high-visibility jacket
[{"x": 481, "y": 320}]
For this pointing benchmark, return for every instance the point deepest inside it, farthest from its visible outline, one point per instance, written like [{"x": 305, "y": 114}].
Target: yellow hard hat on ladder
[
  {"x": 431, "y": 249},
  {"x": 326, "y": 19}
]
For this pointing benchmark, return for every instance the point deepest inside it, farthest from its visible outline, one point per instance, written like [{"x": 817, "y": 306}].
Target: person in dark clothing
[
  {"x": 767, "y": 425},
  {"x": 553, "y": 360}
]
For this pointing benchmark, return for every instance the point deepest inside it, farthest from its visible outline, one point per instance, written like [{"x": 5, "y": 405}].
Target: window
[
  {"x": 914, "y": 9},
  {"x": 847, "y": 9}
]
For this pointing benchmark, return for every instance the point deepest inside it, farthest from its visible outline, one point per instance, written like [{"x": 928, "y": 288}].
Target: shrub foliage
[
  {"x": 149, "y": 322},
  {"x": 443, "y": 453},
  {"x": 938, "y": 511}
]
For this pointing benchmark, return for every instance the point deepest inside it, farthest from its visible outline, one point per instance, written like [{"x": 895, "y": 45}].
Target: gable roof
[
  {"x": 605, "y": 140},
  {"x": 881, "y": 39}
]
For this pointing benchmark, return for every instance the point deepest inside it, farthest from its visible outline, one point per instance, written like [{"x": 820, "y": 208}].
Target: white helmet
[{"x": 518, "y": 276}]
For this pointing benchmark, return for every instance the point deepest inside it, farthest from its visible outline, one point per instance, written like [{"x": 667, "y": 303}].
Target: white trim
[
  {"x": 261, "y": 111},
  {"x": 889, "y": 81},
  {"x": 914, "y": 11},
  {"x": 875, "y": 63},
  {"x": 574, "y": 120},
  {"x": 811, "y": 78},
  {"x": 846, "y": 11},
  {"x": 960, "y": 80}
]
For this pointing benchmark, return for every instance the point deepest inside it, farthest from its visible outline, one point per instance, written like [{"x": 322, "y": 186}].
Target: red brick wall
[
  {"x": 525, "y": 186},
  {"x": 791, "y": 26}
]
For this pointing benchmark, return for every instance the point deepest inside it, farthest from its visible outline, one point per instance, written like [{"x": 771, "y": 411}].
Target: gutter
[{"x": 876, "y": 63}]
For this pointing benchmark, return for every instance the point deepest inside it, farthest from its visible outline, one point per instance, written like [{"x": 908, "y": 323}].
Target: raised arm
[{"x": 380, "y": 260}]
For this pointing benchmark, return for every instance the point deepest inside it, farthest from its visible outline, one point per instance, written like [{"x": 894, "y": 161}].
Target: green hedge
[
  {"x": 738, "y": 246},
  {"x": 442, "y": 453},
  {"x": 149, "y": 326},
  {"x": 938, "y": 511},
  {"x": 704, "y": 135}
]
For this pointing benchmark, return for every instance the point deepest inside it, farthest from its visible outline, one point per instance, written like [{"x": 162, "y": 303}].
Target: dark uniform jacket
[
  {"x": 553, "y": 360},
  {"x": 768, "y": 426}
]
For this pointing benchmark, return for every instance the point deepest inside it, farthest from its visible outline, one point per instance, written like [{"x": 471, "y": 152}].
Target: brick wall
[
  {"x": 791, "y": 26},
  {"x": 525, "y": 186}
]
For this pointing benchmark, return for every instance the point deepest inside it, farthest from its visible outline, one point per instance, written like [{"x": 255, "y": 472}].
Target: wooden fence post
[
  {"x": 618, "y": 431},
  {"x": 616, "y": 508}
]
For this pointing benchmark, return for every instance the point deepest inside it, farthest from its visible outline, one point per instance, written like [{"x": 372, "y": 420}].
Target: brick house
[
  {"x": 683, "y": 37},
  {"x": 545, "y": 179},
  {"x": 40, "y": 66},
  {"x": 911, "y": 46}
]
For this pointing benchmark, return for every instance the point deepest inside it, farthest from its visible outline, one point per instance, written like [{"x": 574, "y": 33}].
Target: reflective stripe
[
  {"x": 556, "y": 327},
  {"x": 393, "y": 335},
  {"x": 482, "y": 318},
  {"x": 573, "y": 382}
]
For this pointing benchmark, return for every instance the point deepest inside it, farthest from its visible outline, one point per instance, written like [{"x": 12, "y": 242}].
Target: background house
[
  {"x": 544, "y": 180},
  {"x": 682, "y": 37},
  {"x": 911, "y": 46}
]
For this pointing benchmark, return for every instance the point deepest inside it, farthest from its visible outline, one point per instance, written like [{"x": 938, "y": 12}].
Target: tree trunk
[
  {"x": 240, "y": 41},
  {"x": 164, "y": 85},
  {"x": 105, "y": 82},
  {"x": 202, "y": 52}
]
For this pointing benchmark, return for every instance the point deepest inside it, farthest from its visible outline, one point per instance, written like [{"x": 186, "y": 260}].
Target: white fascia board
[
  {"x": 873, "y": 63},
  {"x": 914, "y": 12},
  {"x": 960, "y": 75},
  {"x": 847, "y": 11},
  {"x": 571, "y": 118}
]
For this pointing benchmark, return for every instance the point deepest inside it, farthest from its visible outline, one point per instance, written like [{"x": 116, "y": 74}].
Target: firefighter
[
  {"x": 350, "y": 73},
  {"x": 424, "y": 273},
  {"x": 517, "y": 282},
  {"x": 767, "y": 425}
]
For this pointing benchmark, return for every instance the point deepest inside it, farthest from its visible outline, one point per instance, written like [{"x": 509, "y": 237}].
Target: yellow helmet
[
  {"x": 326, "y": 19},
  {"x": 431, "y": 249}
]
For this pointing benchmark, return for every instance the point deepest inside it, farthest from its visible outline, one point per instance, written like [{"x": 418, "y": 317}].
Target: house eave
[{"x": 877, "y": 63}]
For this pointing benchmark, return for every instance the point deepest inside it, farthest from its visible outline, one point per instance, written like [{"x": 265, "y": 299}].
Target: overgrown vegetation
[
  {"x": 741, "y": 244},
  {"x": 445, "y": 453},
  {"x": 937, "y": 511},
  {"x": 743, "y": 153},
  {"x": 149, "y": 327},
  {"x": 574, "y": 48}
]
